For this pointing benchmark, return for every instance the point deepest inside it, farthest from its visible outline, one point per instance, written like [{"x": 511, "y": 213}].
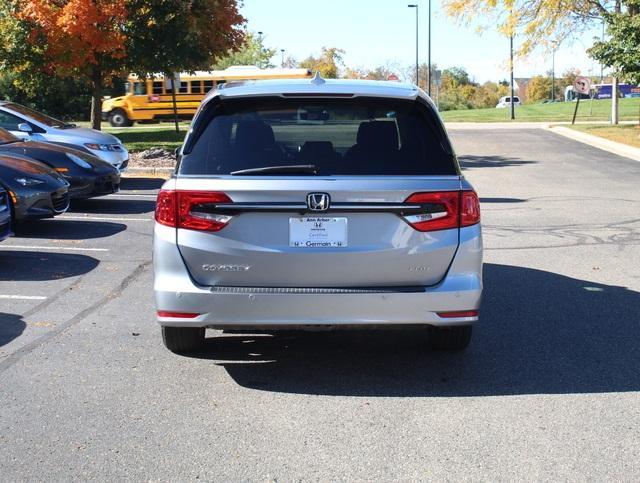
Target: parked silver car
[
  {"x": 306, "y": 204},
  {"x": 28, "y": 124}
]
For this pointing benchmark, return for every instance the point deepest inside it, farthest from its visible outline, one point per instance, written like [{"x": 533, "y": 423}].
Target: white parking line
[
  {"x": 133, "y": 195},
  {"x": 101, "y": 218},
  {"x": 21, "y": 297},
  {"x": 8, "y": 246}
]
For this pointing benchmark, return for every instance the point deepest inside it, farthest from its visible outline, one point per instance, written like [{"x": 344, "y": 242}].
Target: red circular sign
[
  {"x": 393, "y": 77},
  {"x": 154, "y": 97}
]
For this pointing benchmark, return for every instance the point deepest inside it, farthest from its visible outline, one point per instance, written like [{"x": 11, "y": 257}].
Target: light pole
[
  {"x": 282, "y": 63},
  {"x": 429, "y": 54},
  {"x": 413, "y": 5},
  {"x": 553, "y": 70},
  {"x": 260, "y": 50},
  {"x": 513, "y": 111},
  {"x": 601, "y": 64}
]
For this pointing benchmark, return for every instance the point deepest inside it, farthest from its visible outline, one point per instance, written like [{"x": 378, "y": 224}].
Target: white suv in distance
[
  {"x": 304, "y": 204},
  {"x": 506, "y": 102}
]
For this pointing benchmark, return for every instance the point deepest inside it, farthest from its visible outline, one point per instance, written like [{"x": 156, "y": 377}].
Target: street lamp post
[
  {"x": 260, "y": 49},
  {"x": 553, "y": 72},
  {"x": 413, "y": 5},
  {"x": 513, "y": 111},
  {"x": 282, "y": 63},
  {"x": 601, "y": 64},
  {"x": 429, "y": 54}
]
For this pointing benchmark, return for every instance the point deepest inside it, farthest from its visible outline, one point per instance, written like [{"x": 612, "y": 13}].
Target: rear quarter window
[{"x": 355, "y": 136}]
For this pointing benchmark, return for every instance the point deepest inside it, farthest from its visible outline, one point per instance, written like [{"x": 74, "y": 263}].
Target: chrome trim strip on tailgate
[
  {"x": 302, "y": 207},
  {"x": 311, "y": 290}
]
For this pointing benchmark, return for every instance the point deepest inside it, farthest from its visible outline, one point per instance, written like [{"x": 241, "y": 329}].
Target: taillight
[
  {"x": 470, "y": 209},
  {"x": 192, "y": 210},
  {"x": 166, "y": 208},
  {"x": 444, "y": 210},
  {"x": 440, "y": 210}
]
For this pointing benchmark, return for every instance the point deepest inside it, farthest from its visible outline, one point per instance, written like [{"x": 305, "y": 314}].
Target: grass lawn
[
  {"x": 141, "y": 138},
  {"x": 559, "y": 111},
  {"x": 626, "y": 134}
]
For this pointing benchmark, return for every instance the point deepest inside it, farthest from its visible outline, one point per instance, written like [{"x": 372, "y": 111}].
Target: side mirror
[
  {"x": 177, "y": 153},
  {"x": 24, "y": 127}
]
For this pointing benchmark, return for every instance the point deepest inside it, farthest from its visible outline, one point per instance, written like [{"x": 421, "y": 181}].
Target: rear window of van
[{"x": 339, "y": 136}]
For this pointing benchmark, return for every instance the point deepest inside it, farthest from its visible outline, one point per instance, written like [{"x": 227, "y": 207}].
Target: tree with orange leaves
[
  {"x": 94, "y": 40},
  {"x": 77, "y": 38}
]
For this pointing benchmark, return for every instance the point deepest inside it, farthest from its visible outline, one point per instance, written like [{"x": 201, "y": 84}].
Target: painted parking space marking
[
  {"x": 101, "y": 218},
  {"x": 22, "y": 297},
  {"x": 55, "y": 248},
  {"x": 133, "y": 195}
]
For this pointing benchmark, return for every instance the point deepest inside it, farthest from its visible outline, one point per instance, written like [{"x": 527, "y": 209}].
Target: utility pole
[
  {"x": 601, "y": 64},
  {"x": 260, "y": 50},
  {"x": 553, "y": 72},
  {"x": 413, "y": 5},
  {"x": 513, "y": 111},
  {"x": 429, "y": 54}
]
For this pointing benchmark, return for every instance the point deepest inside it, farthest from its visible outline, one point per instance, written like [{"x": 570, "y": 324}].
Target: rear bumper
[{"x": 245, "y": 307}]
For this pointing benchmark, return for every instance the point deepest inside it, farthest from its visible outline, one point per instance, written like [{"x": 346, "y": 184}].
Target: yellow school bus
[{"x": 150, "y": 99}]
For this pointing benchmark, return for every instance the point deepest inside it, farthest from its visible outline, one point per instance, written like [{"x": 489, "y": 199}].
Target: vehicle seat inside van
[
  {"x": 376, "y": 142},
  {"x": 255, "y": 145},
  {"x": 321, "y": 153}
]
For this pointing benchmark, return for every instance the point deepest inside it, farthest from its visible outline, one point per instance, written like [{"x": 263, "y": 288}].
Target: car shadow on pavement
[
  {"x": 19, "y": 266},
  {"x": 11, "y": 327},
  {"x": 141, "y": 184},
  {"x": 61, "y": 229},
  {"x": 540, "y": 333},
  {"x": 469, "y": 161},
  {"x": 111, "y": 206},
  {"x": 502, "y": 200}
]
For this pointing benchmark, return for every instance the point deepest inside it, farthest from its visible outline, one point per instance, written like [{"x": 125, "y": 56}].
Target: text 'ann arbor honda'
[{"x": 312, "y": 203}]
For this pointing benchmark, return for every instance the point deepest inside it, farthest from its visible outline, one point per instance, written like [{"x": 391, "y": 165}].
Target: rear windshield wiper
[{"x": 291, "y": 169}]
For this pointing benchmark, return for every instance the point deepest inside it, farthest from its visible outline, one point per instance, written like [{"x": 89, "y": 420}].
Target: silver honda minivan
[{"x": 308, "y": 204}]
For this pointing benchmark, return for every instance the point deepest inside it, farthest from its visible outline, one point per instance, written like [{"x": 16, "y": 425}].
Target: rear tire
[
  {"x": 183, "y": 339},
  {"x": 118, "y": 118},
  {"x": 455, "y": 338}
]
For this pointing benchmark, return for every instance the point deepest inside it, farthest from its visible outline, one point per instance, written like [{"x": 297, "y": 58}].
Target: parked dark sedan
[
  {"x": 88, "y": 175},
  {"x": 34, "y": 189},
  {"x": 5, "y": 215}
]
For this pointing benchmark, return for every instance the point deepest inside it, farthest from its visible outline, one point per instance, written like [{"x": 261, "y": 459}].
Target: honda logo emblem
[{"x": 318, "y": 201}]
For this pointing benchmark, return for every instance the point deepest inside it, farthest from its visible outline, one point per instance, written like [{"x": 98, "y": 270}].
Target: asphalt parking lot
[{"x": 548, "y": 389}]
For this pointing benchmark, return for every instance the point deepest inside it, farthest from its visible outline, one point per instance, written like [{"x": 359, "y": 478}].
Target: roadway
[{"x": 549, "y": 388}]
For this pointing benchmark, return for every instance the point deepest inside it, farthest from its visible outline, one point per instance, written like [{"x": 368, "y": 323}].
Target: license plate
[{"x": 318, "y": 232}]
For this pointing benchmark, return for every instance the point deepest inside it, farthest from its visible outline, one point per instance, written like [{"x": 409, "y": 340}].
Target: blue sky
[{"x": 377, "y": 32}]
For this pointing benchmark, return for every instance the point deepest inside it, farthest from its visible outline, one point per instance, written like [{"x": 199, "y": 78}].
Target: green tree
[
  {"x": 488, "y": 95},
  {"x": 185, "y": 36},
  {"x": 252, "y": 52},
  {"x": 621, "y": 51},
  {"x": 545, "y": 22},
  {"x": 328, "y": 63},
  {"x": 74, "y": 39},
  {"x": 538, "y": 89}
]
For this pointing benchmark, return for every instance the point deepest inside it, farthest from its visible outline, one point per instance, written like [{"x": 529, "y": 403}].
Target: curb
[
  {"x": 132, "y": 172},
  {"x": 598, "y": 142}
]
